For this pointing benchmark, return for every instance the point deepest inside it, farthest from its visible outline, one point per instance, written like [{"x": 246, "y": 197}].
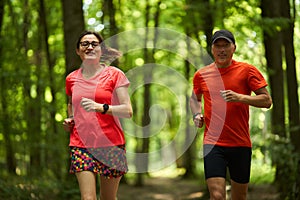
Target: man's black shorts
[{"x": 237, "y": 159}]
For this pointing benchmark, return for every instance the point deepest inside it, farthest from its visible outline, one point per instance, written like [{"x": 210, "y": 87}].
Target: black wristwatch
[{"x": 105, "y": 108}]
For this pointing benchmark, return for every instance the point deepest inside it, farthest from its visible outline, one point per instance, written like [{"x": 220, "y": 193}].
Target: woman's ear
[{"x": 77, "y": 51}]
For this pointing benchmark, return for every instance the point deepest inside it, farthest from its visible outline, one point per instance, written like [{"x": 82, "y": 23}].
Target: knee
[
  {"x": 217, "y": 195},
  {"x": 88, "y": 197}
]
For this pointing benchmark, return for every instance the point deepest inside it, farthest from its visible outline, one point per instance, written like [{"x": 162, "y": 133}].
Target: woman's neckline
[{"x": 96, "y": 74}]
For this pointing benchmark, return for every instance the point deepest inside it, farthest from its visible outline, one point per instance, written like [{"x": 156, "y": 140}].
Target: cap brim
[{"x": 222, "y": 37}]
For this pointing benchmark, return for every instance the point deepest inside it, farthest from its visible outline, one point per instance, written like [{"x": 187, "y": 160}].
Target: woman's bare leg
[
  {"x": 87, "y": 185},
  {"x": 109, "y": 188}
]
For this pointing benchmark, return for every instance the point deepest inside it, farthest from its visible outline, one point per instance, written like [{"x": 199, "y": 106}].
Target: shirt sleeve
[
  {"x": 197, "y": 83},
  {"x": 70, "y": 82},
  {"x": 255, "y": 79},
  {"x": 68, "y": 86},
  {"x": 121, "y": 79}
]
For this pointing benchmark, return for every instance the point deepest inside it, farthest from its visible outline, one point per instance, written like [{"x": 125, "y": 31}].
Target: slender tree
[
  {"x": 274, "y": 39},
  {"x": 52, "y": 153},
  {"x": 33, "y": 104},
  {"x": 292, "y": 89},
  {"x": 73, "y": 25},
  {"x": 2, "y": 3},
  {"x": 272, "y": 43},
  {"x": 5, "y": 117},
  {"x": 143, "y": 146}
]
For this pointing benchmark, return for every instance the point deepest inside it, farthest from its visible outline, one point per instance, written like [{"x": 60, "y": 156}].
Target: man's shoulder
[
  {"x": 241, "y": 64},
  {"x": 206, "y": 68}
]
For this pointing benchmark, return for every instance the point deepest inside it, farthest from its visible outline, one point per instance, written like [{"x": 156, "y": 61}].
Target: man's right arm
[{"x": 196, "y": 108}]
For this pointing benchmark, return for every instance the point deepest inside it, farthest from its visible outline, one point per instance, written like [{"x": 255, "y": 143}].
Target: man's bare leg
[
  {"x": 238, "y": 190},
  {"x": 217, "y": 188}
]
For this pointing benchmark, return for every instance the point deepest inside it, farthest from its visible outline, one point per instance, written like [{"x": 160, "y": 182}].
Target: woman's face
[
  {"x": 222, "y": 51},
  {"x": 89, "y": 49}
]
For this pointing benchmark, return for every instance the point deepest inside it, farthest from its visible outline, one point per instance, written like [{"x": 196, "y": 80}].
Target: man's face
[{"x": 222, "y": 51}]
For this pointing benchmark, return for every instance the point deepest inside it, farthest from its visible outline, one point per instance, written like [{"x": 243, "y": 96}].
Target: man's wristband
[{"x": 195, "y": 115}]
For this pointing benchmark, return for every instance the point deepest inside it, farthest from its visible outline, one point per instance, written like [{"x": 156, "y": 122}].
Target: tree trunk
[
  {"x": 292, "y": 90},
  {"x": 73, "y": 25},
  {"x": 110, "y": 8},
  {"x": 273, "y": 44},
  {"x": 207, "y": 22},
  {"x": 51, "y": 153},
  {"x": 5, "y": 119},
  {"x": 1, "y": 13},
  {"x": 292, "y": 84},
  {"x": 34, "y": 107},
  {"x": 144, "y": 147},
  {"x": 149, "y": 58},
  {"x": 189, "y": 155}
]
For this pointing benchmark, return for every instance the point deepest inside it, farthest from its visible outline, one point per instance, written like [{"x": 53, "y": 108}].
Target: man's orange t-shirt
[{"x": 227, "y": 123}]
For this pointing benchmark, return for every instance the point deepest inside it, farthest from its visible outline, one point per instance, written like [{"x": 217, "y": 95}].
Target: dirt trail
[{"x": 178, "y": 189}]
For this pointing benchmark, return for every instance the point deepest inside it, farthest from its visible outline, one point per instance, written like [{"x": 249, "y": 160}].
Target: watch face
[{"x": 105, "y": 108}]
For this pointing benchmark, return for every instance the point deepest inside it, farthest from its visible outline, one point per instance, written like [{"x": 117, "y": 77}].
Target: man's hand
[
  {"x": 199, "y": 120},
  {"x": 230, "y": 96}
]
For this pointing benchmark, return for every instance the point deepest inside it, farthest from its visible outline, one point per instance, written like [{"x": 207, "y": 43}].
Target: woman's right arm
[
  {"x": 70, "y": 107},
  {"x": 69, "y": 121}
]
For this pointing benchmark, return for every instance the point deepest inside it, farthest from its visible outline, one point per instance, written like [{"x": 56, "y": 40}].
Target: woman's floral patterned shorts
[{"x": 109, "y": 162}]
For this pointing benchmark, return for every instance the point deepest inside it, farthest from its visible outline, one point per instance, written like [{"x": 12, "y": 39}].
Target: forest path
[{"x": 180, "y": 189}]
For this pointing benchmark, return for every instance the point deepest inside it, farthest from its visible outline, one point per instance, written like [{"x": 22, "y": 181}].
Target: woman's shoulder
[
  {"x": 117, "y": 75},
  {"x": 114, "y": 70},
  {"x": 73, "y": 74}
]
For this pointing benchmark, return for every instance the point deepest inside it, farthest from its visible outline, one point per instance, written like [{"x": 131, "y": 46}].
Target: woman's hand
[
  {"x": 90, "y": 105},
  {"x": 68, "y": 124}
]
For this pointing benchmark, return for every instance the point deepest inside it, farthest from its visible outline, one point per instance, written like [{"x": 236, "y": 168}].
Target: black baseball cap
[{"x": 225, "y": 34}]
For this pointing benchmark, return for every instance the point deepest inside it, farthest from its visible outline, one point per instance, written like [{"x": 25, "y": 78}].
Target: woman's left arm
[{"x": 123, "y": 110}]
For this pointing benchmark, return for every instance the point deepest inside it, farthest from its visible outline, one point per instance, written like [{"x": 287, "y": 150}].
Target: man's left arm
[{"x": 262, "y": 99}]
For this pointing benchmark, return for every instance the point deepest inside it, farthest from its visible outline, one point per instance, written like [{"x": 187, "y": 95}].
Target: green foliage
[
  {"x": 262, "y": 171},
  {"x": 39, "y": 189},
  {"x": 284, "y": 157}
]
